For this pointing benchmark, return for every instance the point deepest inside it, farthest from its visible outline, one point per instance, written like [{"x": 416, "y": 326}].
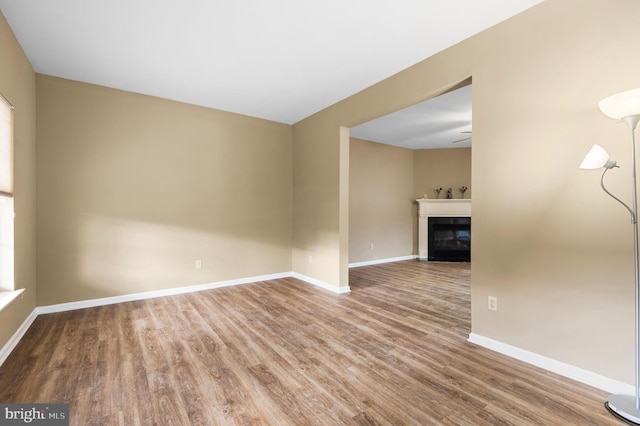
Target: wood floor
[{"x": 392, "y": 352}]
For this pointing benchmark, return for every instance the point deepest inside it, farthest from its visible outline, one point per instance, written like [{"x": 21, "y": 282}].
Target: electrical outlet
[
  {"x": 492, "y": 303},
  {"x": 310, "y": 259},
  {"x": 198, "y": 264},
  {"x": 371, "y": 246}
]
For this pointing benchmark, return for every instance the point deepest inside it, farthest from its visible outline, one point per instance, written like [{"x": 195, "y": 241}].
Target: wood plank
[{"x": 391, "y": 352}]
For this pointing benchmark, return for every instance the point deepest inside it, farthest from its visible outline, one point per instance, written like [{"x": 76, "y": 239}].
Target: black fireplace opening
[{"x": 449, "y": 239}]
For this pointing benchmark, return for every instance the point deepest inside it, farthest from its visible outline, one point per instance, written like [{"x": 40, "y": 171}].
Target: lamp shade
[
  {"x": 597, "y": 158},
  {"x": 621, "y": 104}
]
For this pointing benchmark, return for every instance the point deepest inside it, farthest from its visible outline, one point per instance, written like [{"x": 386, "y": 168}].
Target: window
[{"x": 6, "y": 196}]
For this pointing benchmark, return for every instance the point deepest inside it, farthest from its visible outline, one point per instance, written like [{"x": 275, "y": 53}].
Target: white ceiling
[
  {"x": 436, "y": 123},
  {"x": 281, "y": 60}
]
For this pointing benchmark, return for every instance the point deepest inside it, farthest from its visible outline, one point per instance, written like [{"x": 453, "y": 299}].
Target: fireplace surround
[{"x": 456, "y": 239}]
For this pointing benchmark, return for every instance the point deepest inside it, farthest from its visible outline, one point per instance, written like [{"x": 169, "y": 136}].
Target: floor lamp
[{"x": 623, "y": 106}]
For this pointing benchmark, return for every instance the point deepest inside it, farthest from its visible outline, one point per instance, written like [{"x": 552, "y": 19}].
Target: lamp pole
[
  {"x": 622, "y": 405},
  {"x": 632, "y": 122},
  {"x": 624, "y": 106}
]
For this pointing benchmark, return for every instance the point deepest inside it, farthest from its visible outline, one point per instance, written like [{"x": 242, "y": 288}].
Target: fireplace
[
  {"x": 452, "y": 242},
  {"x": 449, "y": 239}
]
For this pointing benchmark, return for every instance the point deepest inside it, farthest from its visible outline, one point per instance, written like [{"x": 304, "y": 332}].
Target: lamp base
[{"x": 624, "y": 406}]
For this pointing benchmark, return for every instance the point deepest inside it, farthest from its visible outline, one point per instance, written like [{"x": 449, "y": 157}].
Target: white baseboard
[
  {"x": 558, "y": 367},
  {"x": 62, "y": 307},
  {"x": 321, "y": 284},
  {"x": 156, "y": 293},
  {"x": 379, "y": 261},
  {"x": 6, "y": 350}
]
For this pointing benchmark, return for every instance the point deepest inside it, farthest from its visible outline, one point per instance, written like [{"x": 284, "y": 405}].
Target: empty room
[{"x": 290, "y": 213}]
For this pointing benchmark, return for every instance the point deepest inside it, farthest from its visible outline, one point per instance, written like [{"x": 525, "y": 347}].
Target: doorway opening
[{"x": 423, "y": 151}]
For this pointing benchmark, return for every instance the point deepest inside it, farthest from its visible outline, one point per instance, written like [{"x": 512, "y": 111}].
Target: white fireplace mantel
[{"x": 457, "y": 207}]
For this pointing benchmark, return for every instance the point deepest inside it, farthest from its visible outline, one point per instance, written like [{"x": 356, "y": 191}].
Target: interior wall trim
[
  {"x": 322, "y": 284},
  {"x": 6, "y": 350},
  {"x": 567, "y": 370},
  {"x": 70, "y": 306},
  {"x": 379, "y": 261}
]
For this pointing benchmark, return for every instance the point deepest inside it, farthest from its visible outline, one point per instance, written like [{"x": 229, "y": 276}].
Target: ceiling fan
[{"x": 463, "y": 139}]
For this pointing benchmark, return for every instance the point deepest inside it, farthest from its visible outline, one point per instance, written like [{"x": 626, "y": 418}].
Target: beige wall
[
  {"x": 18, "y": 85},
  {"x": 439, "y": 168},
  {"x": 380, "y": 201},
  {"x": 134, "y": 189},
  {"x": 553, "y": 248},
  {"x": 442, "y": 168},
  {"x": 546, "y": 241},
  {"x": 316, "y": 202},
  {"x": 384, "y": 182}
]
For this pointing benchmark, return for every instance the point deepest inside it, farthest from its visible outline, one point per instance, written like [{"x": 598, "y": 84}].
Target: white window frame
[{"x": 8, "y": 293}]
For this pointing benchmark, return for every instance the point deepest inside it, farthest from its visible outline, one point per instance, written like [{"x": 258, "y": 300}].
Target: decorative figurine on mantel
[
  {"x": 437, "y": 191},
  {"x": 449, "y": 194},
  {"x": 463, "y": 189}
]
